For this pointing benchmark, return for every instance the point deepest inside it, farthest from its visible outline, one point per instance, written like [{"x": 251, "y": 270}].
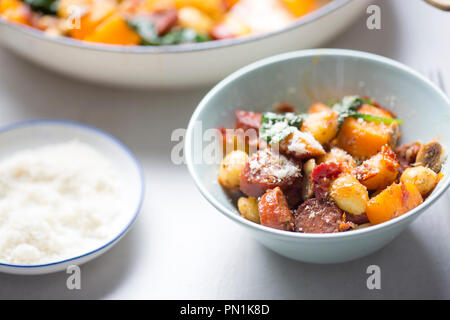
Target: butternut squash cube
[
  {"x": 379, "y": 171},
  {"x": 392, "y": 202},
  {"x": 114, "y": 30},
  {"x": 299, "y": 7}
]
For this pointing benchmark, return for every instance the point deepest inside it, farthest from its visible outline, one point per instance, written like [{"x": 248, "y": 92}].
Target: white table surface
[{"x": 181, "y": 247}]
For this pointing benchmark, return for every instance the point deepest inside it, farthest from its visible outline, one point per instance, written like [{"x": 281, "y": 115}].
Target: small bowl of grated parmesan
[{"x": 68, "y": 193}]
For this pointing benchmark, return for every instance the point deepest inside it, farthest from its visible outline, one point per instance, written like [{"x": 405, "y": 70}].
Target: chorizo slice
[
  {"x": 322, "y": 177},
  {"x": 274, "y": 211},
  {"x": 320, "y": 216},
  {"x": 248, "y": 120},
  {"x": 357, "y": 219},
  {"x": 163, "y": 21},
  {"x": 267, "y": 170}
]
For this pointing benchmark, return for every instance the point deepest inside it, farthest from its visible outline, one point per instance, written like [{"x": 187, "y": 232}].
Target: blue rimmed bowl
[
  {"x": 302, "y": 78},
  {"x": 37, "y": 133}
]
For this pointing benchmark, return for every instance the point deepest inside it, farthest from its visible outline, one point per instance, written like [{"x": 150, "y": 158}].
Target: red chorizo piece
[
  {"x": 274, "y": 211},
  {"x": 357, "y": 219},
  {"x": 248, "y": 120},
  {"x": 162, "y": 20},
  {"x": 322, "y": 177},
  {"x": 267, "y": 170},
  {"x": 320, "y": 216}
]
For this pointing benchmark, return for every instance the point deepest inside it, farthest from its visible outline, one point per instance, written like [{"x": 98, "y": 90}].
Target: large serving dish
[
  {"x": 176, "y": 66},
  {"x": 302, "y": 78}
]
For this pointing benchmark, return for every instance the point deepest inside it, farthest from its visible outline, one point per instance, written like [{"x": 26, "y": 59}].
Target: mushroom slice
[
  {"x": 307, "y": 189},
  {"x": 431, "y": 155}
]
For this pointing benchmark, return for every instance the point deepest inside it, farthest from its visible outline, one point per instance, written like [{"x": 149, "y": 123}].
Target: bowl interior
[
  {"x": 304, "y": 77},
  {"x": 35, "y": 134}
]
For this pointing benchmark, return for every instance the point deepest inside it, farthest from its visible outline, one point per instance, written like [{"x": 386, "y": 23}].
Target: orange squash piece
[
  {"x": 300, "y": 7},
  {"x": 379, "y": 171},
  {"x": 392, "y": 202},
  {"x": 89, "y": 21},
  {"x": 114, "y": 30},
  {"x": 214, "y": 8},
  {"x": 363, "y": 139},
  {"x": 15, "y": 11}
]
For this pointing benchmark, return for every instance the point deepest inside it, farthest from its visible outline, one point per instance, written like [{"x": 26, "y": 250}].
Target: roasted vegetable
[
  {"x": 322, "y": 125},
  {"x": 364, "y": 139},
  {"x": 431, "y": 155},
  {"x": 15, "y": 11},
  {"x": 392, "y": 202},
  {"x": 114, "y": 30},
  {"x": 299, "y": 7},
  {"x": 338, "y": 155},
  {"x": 379, "y": 171},
  {"x": 307, "y": 185},
  {"x": 348, "y": 108}
]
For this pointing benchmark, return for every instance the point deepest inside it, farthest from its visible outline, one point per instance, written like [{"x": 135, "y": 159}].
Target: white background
[{"x": 180, "y": 246}]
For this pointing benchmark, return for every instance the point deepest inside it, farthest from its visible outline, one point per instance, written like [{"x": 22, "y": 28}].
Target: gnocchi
[{"x": 230, "y": 169}]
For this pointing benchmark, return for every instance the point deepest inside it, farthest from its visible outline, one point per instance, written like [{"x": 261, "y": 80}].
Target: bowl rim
[
  {"x": 209, "y": 45},
  {"x": 116, "y": 141},
  {"x": 295, "y": 55}
]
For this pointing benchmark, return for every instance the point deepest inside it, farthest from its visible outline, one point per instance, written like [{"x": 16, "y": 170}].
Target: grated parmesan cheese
[
  {"x": 267, "y": 163},
  {"x": 302, "y": 143},
  {"x": 57, "y": 202}
]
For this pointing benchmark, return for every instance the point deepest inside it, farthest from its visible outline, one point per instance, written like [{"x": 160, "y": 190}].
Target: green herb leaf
[
  {"x": 44, "y": 6},
  {"x": 347, "y": 107},
  {"x": 149, "y": 35},
  {"x": 370, "y": 118},
  {"x": 146, "y": 30},
  {"x": 276, "y": 127}
]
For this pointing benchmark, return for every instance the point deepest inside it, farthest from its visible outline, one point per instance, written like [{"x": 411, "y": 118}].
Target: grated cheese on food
[
  {"x": 57, "y": 202},
  {"x": 268, "y": 163},
  {"x": 302, "y": 143}
]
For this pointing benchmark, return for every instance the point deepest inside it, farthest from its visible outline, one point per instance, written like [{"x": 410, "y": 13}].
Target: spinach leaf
[
  {"x": 347, "y": 107},
  {"x": 276, "y": 127},
  {"x": 147, "y": 31},
  {"x": 44, "y": 6},
  {"x": 183, "y": 36},
  {"x": 370, "y": 118}
]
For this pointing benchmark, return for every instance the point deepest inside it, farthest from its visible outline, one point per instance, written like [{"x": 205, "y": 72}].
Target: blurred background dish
[{"x": 186, "y": 65}]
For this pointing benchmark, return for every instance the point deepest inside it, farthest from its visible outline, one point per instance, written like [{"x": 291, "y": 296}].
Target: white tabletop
[{"x": 181, "y": 247}]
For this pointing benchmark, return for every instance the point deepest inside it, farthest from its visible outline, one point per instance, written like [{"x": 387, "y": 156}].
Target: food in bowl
[
  {"x": 156, "y": 22},
  {"x": 337, "y": 168},
  {"x": 57, "y": 202}
]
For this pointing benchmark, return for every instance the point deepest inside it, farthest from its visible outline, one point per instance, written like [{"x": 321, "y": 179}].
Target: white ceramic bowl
[
  {"x": 36, "y": 133},
  {"x": 302, "y": 78},
  {"x": 176, "y": 66}
]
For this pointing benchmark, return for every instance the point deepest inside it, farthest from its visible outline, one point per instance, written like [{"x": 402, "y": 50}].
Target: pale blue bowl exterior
[{"x": 304, "y": 77}]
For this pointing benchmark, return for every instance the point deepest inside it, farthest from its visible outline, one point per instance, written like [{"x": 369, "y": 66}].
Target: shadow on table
[
  {"x": 406, "y": 273},
  {"x": 99, "y": 277}
]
